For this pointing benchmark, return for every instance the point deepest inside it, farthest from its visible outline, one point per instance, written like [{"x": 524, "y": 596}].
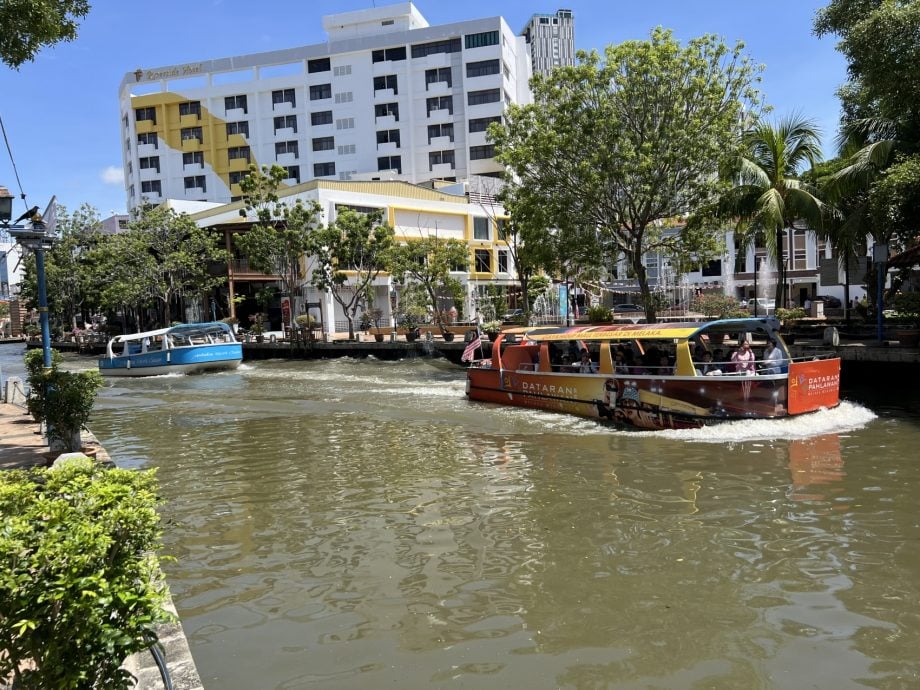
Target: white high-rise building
[
  {"x": 551, "y": 38},
  {"x": 387, "y": 96}
]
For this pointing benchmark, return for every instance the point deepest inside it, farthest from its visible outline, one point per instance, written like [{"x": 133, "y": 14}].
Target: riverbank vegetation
[{"x": 80, "y": 583}]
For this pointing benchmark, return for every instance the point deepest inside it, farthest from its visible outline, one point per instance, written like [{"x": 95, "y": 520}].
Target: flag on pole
[{"x": 471, "y": 348}]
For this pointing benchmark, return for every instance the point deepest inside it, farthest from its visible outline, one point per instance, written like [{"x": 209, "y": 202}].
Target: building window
[
  {"x": 393, "y": 54},
  {"x": 344, "y": 97},
  {"x": 502, "y": 224},
  {"x": 487, "y": 96},
  {"x": 283, "y": 96},
  {"x": 320, "y": 92},
  {"x": 345, "y": 123},
  {"x": 386, "y": 82},
  {"x": 235, "y": 152},
  {"x": 292, "y": 172},
  {"x": 149, "y": 114},
  {"x": 241, "y": 127},
  {"x": 502, "y": 260},
  {"x": 286, "y": 122},
  {"x": 125, "y": 120},
  {"x": 384, "y": 109},
  {"x": 190, "y": 108},
  {"x": 483, "y": 261},
  {"x": 193, "y": 158},
  {"x": 148, "y": 163},
  {"x": 318, "y": 65},
  {"x": 450, "y": 45},
  {"x": 481, "y": 228},
  {"x": 440, "y": 157},
  {"x": 323, "y": 169},
  {"x": 388, "y": 136},
  {"x": 486, "y": 38},
  {"x": 346, "y": 149},
  {"x": 188, "y": 133},
  {"x": 440, "y": 103},
  {"x": 712, "y": 268},
  {"x": 151, "y": 187},
  {"x": 445, "y": 130},
  {"x": 324, "y": 144},
  {"x": 433, "y": 76},
  {"x": 321, "y": 118},
  {"x": 483, "y": 69},
  {"x": 130, "y": 168},
  {"x": 236, "y": 102},
  {"x": 341, "y": 70},
  {"x": 149, "y": 138},
  {"x": 283, "y": 147},
  {"x": 237, "y": 177},
  {"x": 478, "y": 153},
  {"x": 390, "y": 163},
  {"x": 196, "y": 182},
  {"x": 481, "y": 124}
]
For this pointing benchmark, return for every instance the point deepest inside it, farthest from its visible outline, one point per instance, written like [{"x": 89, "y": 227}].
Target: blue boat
[{"x": 184, "y": 349}]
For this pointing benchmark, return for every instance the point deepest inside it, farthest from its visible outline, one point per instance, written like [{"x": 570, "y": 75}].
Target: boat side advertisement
[{"x": 813, "y": 385}]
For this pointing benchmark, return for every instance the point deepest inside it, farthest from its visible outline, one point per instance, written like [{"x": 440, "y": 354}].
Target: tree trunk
[
  {"x": 642, "y": 278},
  {"x": 778, "y": 301}
]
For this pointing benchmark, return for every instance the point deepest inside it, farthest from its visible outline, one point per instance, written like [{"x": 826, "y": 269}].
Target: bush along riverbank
[{"x": 80, "y": 584}]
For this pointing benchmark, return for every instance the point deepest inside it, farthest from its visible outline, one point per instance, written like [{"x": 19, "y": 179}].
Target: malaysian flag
[{"x": 471, "y": 347}]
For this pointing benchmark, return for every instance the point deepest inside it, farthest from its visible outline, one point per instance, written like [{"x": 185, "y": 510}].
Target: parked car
[
  {"x": 764, "y": 306},
  {"x": 513, "y": 315},
  {"x": 621, "y": 308},
  {"x": 831, "y": 302}
]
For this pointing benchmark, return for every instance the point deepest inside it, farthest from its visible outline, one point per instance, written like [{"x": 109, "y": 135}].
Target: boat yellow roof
[{"x": 634, "y": 331}]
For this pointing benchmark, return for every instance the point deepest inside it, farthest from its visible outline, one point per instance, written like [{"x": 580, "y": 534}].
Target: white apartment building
[
  {"x": 385, "y": 96},
  {"x": 551, "y": 38}
]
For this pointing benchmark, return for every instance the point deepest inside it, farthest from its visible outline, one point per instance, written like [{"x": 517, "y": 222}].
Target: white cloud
[{"x": 113, "y": 175}]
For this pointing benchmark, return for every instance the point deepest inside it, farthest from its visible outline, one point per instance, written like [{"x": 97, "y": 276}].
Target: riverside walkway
[{"x": 22, "y": 446}]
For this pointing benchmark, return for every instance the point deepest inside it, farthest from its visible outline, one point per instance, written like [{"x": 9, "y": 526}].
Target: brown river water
[{"x": 359, "y": 524}]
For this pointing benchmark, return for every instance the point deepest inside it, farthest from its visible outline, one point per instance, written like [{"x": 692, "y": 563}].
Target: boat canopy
[
  {"x": 189, "y": 330},
  {"x": 677, "y": 331}
]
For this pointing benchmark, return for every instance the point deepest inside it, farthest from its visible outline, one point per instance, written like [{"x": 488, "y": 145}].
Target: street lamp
[{"x": 34, "y": 239}]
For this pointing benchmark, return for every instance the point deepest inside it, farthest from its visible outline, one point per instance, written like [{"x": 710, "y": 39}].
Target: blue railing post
[{"x": 43, "y": 306}]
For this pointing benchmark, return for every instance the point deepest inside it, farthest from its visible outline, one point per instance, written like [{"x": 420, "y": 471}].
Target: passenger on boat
[
  {"x": 743, "y": 359},
  {"x": 620, "y": 365},
  {"x": 774, "y": 358},
  {"x": 707, "y": 367},
  {"x": 664, "y": 366},
  {"x": 586, "y": 366}
]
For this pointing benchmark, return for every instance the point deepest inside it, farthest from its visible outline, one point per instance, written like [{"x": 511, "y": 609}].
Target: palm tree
[{"x": 769, "y": 197}]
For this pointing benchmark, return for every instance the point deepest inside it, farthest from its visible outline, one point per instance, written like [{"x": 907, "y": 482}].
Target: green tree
[
  {"x": 182, "y": 256},
  {"x": 880, "y": 133},
  {"x": 283, "y": 236},
  {"x": 29, "y": 25},
  {"x": 621, "y": 144},
  {"x": 769, "y": 196},
  {"x": 69, "y": 279},
  {"x": 350, "y": 253},
  {"x": 123, "y": 269},
  {"x": 427, "y": 264}
]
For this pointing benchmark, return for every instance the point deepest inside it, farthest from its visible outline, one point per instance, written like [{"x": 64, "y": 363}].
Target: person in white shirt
[{"x": 774, "y": 359}]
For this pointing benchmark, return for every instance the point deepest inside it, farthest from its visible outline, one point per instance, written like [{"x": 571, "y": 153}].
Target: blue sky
[{"x": 61, "y": 112}]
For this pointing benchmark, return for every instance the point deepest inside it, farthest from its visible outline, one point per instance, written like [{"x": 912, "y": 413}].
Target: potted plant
[
  {"x": 492, "y": 329},
  {"x": 907, "y": 306},
  {"x": 374, "y": 314},
  {"x": 412, "y": 317},
  {"x": 257, "y": 328},
  {"x": 600, "y": 314}
]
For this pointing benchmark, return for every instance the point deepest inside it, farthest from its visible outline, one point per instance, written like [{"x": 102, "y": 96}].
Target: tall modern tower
[
  {"x": 551, "y": 38},
  {"x": 386, "y": 96}
]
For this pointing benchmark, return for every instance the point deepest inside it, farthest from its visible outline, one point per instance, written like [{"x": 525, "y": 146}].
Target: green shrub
[
  {"x": 715, "y": 305},
  {"x": 907, "y": 305},
  {"x": 80, "y": 584},
  {"x": 599, "y": 314},
  {"x": 62, "y": 399},
  {"x": 787, "y": 315}
]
